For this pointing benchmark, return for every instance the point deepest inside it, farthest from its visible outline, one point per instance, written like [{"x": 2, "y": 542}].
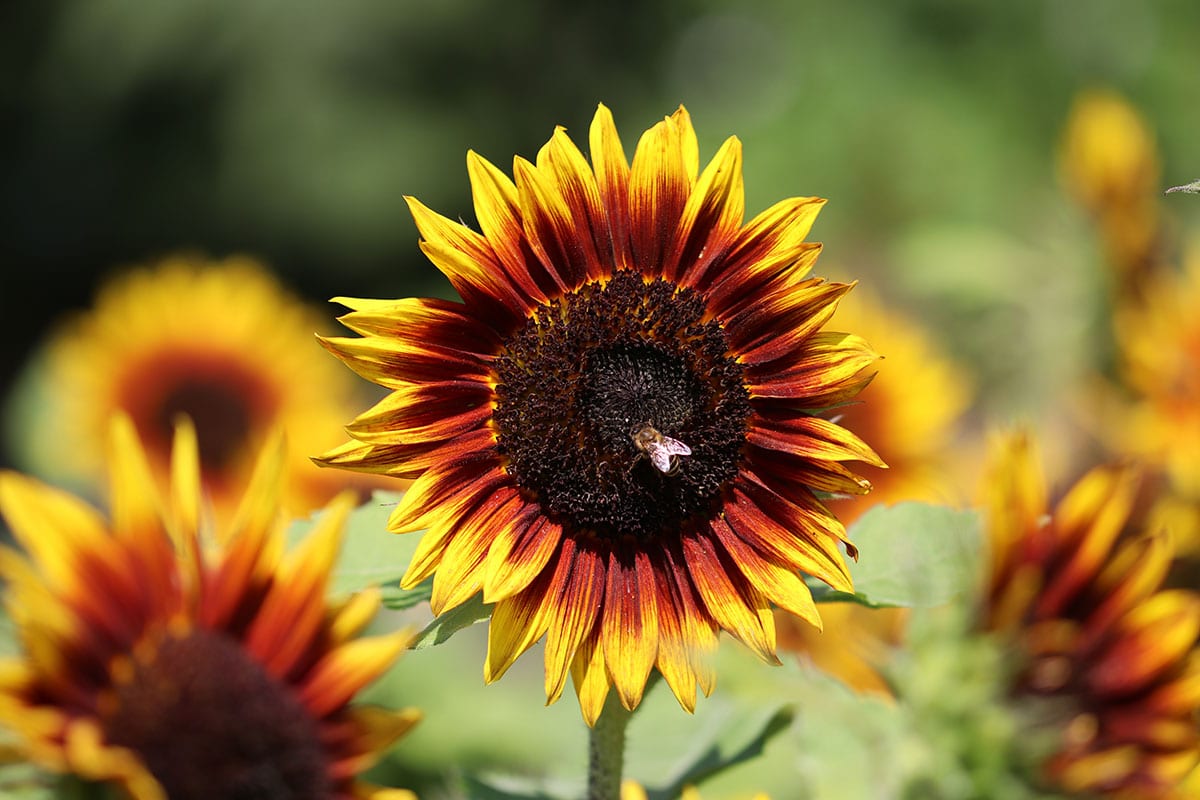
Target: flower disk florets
[
  {"x": 588, "y": 371},
  {"x": 209, "y": 721}
]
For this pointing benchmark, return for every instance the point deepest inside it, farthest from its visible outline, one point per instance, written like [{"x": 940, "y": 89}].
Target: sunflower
[
  {"x": 1096, "y": 630},
  {"x": 174, "y": 664},
  {"x": 1157, "y": 401},
  {"x": 1109, "y": 163},
  {"x": 1159, "y": 346},
  {"x": 221, "y": 342},
  {"x": 614, "y": 435}
]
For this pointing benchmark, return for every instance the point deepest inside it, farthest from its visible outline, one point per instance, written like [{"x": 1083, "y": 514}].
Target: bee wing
[
  {"x": 660, "y": 457},
  {"x": 675, "y": 447}
]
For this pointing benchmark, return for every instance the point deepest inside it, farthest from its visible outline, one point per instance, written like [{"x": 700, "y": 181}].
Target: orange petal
[
  {"x": 350, "y": 616},
  {"x": 1151, "y": 638},
  {"x": 549, "y": 229},
  {"x": 442, "y": 494},
  {"x": 809, "y": 437},
  {"x": 369, "y": 731},
  {"x": 676, "y": 650},
  {"x": 460, "y": 575},
  {"x": 431, "y": 549},
  {"x": 442, "y": 323},
  {"x": 558, "y": 227},
  {"x": 294, "y": 608},
  {"x": 780, "y": 326},
  {"x": 1137, "y": 571},
  {"x": 1087, "y": 522}
]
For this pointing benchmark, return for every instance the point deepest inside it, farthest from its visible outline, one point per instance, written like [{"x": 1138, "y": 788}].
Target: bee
[{"x": 663, "y": 451}]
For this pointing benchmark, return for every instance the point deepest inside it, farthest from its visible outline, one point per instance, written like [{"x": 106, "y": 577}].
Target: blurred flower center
[
  {"x": 210, "y": 722},
  {"x": 219, "y": 412},
  {"x": 589, "y": 371}
]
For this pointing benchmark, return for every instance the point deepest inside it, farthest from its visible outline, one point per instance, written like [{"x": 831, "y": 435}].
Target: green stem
[{"x": 606, "y": 751}]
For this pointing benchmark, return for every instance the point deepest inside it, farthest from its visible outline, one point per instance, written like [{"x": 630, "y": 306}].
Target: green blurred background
[{"x": 292, "y": 131}]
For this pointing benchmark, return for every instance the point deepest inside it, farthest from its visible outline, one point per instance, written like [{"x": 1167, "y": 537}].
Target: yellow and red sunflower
[
  {"x": 1096, "y": 630},
  {"x": 616, "y": 435},
  {"x": 221, "y": 342},
  {"x": 179, "y": 662}
]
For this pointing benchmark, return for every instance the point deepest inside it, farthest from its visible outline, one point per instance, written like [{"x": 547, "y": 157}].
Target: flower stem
[{"x": 606, "y": 751}]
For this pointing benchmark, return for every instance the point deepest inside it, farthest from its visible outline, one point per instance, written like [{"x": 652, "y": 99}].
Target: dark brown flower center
[
  {"x": 220, "y": 411},
  {"x": 208, "y": 721},
  {"x": 596, "y": 382}
]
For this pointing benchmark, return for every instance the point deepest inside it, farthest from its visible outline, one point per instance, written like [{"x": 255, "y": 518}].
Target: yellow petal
[
  {"x": 612, "y": 180},
  {"x": 629, "y": 625},
  {"x": 52, "y": 525},
  {"x": 590, "y": 679},
  {"x": 516, "y": 624},
  {"x": 712, "y": 217}
]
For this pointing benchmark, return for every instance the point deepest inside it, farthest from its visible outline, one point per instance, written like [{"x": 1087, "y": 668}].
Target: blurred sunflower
[
  {"x": 854, "y": 647},
  {"x": 908, "y": 413},
  {"x": 1109, "y": 163},
  {"x": 1097, "y": 632},
  {"x": 219, "y": 342},
  {"x": 1156, "y": 399},
  {"x": 179, "y": 665},
  {"x": 1159, "y": 348},
  {"x": 615, "y": 434}
]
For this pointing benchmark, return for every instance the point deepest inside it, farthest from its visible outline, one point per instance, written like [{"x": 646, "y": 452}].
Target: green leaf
[
  {"x": 370, "y": 555},
  {"x": 505, "y": 787},
  {"x": 399, "y": 599},
  {"x": 740, "y": 738},
  {"x": 913, "y": 554},
  {"x": 851, "y": 739},
  {"x": 821, "y": 593},
  {"x": 1190, "y": 188},
  {"x": 454, "y": 620}
]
